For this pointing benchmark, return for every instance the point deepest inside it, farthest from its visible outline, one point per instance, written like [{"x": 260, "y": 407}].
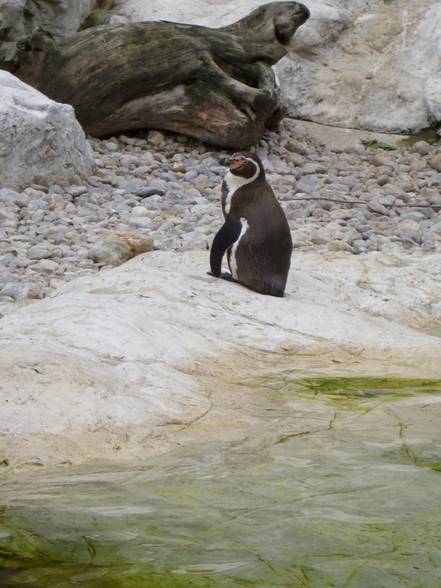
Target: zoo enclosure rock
[
  {"x": 114, "y": 354},
  {"x": 20, "y": 19},
  {"x": 363, "y": 64},
  {"x": 40, "y": 140},
  {"x": 380, "y": 73}
]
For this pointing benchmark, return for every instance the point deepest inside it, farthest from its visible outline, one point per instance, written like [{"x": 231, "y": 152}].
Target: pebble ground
[{"x": 167, "y": 187}]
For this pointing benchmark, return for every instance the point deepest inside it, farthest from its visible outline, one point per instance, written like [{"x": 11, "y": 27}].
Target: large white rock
[
  {"x": 102, "y": 367},
  {"x": 382, "y": 73},
  {"x": 40, "y": 140},
  {"x": 362, "y": 64},
  {"x": 20, "y": 18}
]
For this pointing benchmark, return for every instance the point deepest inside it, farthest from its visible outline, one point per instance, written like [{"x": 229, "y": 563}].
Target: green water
[
  {"x": 429, "y": 135},
  {"x": 339, "y": 486}
]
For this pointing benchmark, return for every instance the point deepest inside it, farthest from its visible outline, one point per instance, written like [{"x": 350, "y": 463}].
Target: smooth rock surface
[
  {"x": 114, "y": 356},
  {"x": 40, "y": 140},
  {"x": 19, "y": 19},
  {"x": 363, "y": 64}
]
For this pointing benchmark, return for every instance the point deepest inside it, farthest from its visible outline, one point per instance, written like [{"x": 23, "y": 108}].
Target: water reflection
[{"x": 339, "y": 487}]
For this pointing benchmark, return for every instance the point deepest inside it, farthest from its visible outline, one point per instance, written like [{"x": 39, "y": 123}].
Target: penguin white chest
[
  {"x": 233, "y": 259},
  {"x": 233, "y": 184}
]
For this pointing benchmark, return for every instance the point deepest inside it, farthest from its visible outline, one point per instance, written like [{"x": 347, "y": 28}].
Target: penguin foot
[{"x": 227, "y": 276}]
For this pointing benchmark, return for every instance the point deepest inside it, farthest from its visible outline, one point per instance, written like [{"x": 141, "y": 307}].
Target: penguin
[{"x": 255, "y": 234}]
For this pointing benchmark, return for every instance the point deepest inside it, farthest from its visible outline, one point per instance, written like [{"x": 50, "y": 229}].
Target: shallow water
[{"x": 339, "y": 486}]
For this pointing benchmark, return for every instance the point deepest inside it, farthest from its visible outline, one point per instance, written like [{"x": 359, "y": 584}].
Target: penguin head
[{"x": 247, "y": 165}]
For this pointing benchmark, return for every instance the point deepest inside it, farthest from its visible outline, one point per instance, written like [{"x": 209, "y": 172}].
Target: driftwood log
[{"x": 213, "y": 84}]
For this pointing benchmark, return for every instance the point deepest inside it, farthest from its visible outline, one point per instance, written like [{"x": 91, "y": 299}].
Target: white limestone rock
[
  {"x": 382, "y": 72},
  {"x": 363, "y": 64},
  {"x": 113, "y": 358},
  {"x": 40, "y": 140},
  {"x": 19, "y": 19}
]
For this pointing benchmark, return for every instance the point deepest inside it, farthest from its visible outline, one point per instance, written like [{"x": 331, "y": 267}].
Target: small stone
[
  {"x": 435, "y": 162},
  {"x": 9, "y": 197},
  {"x": 111, "y": 146},
  {"x": 409, "y": 231},
  {"x": 120, "y": 247},
  {"x": 154, "y": 202},
  {"x": 307, "y": 184},
  {"x": 296, "y": 147},
  {"x": 147, "y": 192},
  {"x": 380, "y": 158},
  {"x": 126, "y": 140},
  {"x": 37, "y": 204},
  {"x": 295, "y": 159},
  {"x": 46, "y": 266},
  {"x": 416, "y": 165},
  {"x": 359, "y": 246},
  {"x": 377, "y": 207},
  {"x": 19, "y": 291},
  {"x": 376, "y": 242},
  {"x": 314, "y": 168},
  {"x": 202, "y": 182},
  {"x": 7, "y": 215},
  {"x": 76, "y": 191},
  {"x": 340, "y": 246},
  {"x": 429, "y": 243},
  {"x": 156, "y": 138},
  {"x": 387, "y": 200},
  {"x": 383, "y": 180},
  {"x": 341, "y": 214},
  {"x": 41, "y": 252},
  {"x": 139, "y": 211},
  {"x": 421, "y": 147},
  {"x": 193, "y": 174},
  {"x": 178, "y": 168}
]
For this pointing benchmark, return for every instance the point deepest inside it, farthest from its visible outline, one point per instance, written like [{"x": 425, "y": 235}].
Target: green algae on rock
[
  {"x": 350, "y": 499},
  {"x": 349, "y": 392}
]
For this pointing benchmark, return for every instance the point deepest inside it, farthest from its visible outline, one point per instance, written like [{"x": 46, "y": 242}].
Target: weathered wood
[{"x": 213, "y": 84}]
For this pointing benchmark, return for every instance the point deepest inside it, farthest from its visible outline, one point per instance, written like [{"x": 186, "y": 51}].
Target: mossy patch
[
  {"x": 348, "y": 392},
  {"x": 99, "y": 16},
  {"x": 66, "y": 576},
  {"x": 375, "y": 144}
]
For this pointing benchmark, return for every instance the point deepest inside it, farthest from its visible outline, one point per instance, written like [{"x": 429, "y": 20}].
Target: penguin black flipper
[{"x": 224, "y": 239}]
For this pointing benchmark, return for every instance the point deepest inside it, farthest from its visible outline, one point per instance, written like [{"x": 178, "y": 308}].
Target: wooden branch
[{"x": 213, "y": 84}]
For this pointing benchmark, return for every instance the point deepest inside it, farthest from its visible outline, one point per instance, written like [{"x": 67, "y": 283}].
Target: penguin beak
[{"x": 237, "y": 162}]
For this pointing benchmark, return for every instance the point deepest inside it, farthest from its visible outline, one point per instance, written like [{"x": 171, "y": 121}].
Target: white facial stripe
[
  {"x": 233, "y": 262},
  {"x": 235, "y": 182}
]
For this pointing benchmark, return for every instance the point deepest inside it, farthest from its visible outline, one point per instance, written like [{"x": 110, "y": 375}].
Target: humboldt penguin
[{"x": 255, "y": 234}]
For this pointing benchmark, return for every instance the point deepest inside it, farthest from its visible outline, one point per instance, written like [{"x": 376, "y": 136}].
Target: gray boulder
[
  {"x": 19, "y": 19},
  {"x": 40, "y": 140},
  {"x": 376, "y": 68}
]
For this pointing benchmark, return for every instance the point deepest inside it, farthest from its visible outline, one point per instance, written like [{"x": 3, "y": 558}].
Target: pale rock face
[
  {"x": 20, "y": 18},
  {"x": 382, "y": 72},
  {"x": 358, "y": 64},
  {"x": 116, "y": 354},
  {"x": 40, "y": 140}
]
